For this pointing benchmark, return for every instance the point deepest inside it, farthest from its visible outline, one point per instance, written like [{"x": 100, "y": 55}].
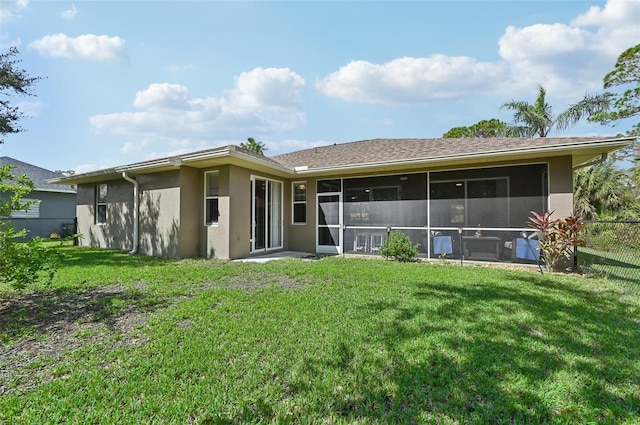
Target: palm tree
[
  {"x": 602, "y": 190},
  {"x": 538, "y": 118},
  {"x": 252, "y": 145}
]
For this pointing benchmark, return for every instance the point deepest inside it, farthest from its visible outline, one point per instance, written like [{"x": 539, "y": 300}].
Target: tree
[
  {"x": 627, "y": 103},
  {"x": 539, "y": 119},
  {"x": 13, "y": 81},
  {"x": 603, "y": 191},
  {"x": 20, "y": 263},
  {"x": 252, "y": 145},
  {"x": 482, "y": 129}
]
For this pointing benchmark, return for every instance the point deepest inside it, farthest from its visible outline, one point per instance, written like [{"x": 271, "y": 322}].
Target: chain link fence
[{"x": 612, "y": 251}]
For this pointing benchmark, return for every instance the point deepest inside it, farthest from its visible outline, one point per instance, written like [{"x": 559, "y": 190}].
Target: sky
[{"x": 129, "y": 81}]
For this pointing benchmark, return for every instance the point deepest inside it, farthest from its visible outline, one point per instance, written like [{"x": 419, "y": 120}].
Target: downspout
[{"x": 136, "y": 223}]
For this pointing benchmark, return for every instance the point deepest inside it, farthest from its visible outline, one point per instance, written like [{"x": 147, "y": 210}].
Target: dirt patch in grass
[{"x": 38, "y": 329}]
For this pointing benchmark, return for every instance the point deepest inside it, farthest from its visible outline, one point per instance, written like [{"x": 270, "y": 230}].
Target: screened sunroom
[{"x": 472, "y": 214}]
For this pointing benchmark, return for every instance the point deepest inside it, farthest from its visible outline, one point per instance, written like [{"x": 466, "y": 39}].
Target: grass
[
  {"x": 330, "y": 341},
  {"x": 620, "y": 266}
]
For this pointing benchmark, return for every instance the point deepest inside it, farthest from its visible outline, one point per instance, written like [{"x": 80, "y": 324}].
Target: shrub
[
  {"x": 560, "y": 237},
  {"x": 399, "y": 247}
]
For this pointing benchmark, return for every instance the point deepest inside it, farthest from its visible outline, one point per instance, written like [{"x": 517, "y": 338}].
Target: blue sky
[{"x": 129, "y": 81}]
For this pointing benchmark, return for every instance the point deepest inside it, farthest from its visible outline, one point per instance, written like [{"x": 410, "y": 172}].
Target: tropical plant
[
  {"x": 252, "y": 145},
  {"x": 538, "y": 118},
  {"x": 399, "y": 247},
  {"x": 603, "y": 191},
  {"x": 560, "y": 237}
]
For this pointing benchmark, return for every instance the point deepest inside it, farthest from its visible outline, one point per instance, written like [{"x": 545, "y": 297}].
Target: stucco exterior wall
[
  {"x": 215, "y": 238},
  {"x": 301, "y": 237},
  {"x": 159, "y": 214},
  {"x": 117, "y": 232},
  {"x": 191, "y": 215},
  {"x": 560, "y": 186}
]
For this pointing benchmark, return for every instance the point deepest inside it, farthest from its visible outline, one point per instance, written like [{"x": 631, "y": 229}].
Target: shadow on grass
[
  {"x": 51, "y": 311},
  {"x": 602, "y": 265},
  {"x": 106, "y": 257},
  {"x": 494, "y": 353}
]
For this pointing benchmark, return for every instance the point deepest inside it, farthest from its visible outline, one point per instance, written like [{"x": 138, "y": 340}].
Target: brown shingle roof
[{"x": 396, "y": 150}]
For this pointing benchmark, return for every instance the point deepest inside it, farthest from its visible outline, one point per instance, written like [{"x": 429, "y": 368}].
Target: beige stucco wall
[
  {"x": 301, "y": 237},
  {"x": 191, "y": 211},
  {"x": 159, "y": 214},
  {"x": 560, "y": 186},
  {"x": 172, "y": 211},
  {"x": 117, "y": 232},
  {"x": 215, "y": 238}
]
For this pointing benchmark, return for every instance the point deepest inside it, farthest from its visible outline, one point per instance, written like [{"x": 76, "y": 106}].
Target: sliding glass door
[{"x": 266, "y": 214}]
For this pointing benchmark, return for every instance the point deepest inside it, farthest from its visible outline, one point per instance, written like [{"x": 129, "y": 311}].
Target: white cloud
[
  {"x": 569, "y": 59},
  {"x": 411, "y": 80},
  {"x": 180, "y": 67},
  {"x": 10, "y": 10},
  {"x": 69, "y": 14},
  {"x": 264, "y": 101},
  {"x": 88, "y": 46},
  {"x": 572, "y": 58}
]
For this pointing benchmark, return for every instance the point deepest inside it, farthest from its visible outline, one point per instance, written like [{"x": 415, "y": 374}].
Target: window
[
  {"x": 299, "y": 202},
  {"x": 101, "y": 204},
  {"x": 211, "y": 194}
]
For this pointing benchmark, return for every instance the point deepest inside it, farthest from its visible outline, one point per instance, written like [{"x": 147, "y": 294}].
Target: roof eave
[{"x": 598, "y": 147}]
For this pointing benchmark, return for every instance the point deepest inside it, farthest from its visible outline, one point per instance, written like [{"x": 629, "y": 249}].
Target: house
[
  {"x": 55, "y": 207},
  {"x": 468, "y": 198}
]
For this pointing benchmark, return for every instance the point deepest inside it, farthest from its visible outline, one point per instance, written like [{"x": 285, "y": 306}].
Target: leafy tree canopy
[
  {"x": 627, "y": 103},
  {"x": 13, "y": 81},
  {"x": 483, "y": 129},
  {"x": 252, "y": 145}
]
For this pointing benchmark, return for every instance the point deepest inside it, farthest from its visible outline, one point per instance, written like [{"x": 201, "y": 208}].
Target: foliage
[
  {"x": 336, "y": 341},
  {"x": 399, "y": 247},
  {"x": 481, "y": 129},
  {"x": 12, "y": 189},
  {"x": 538, "y": 118},
  {"x": 13, "y": 80},
  {"x": 603, "y": 191},
  {"x": 560, "y": 237},
  {"x": 21, "y": 263},
  {"x": 252, "y": 145},
  {"x": 627, "y": 103}
]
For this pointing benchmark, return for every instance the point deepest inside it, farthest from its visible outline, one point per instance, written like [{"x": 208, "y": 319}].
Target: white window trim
[
  {"x": 207, "y": 198},
  {"x": 294, "y": 202},
  {"x": 98, "y": 203}
]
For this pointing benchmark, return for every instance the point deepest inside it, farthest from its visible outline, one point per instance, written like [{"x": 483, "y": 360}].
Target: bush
[
  {"x": 25, "y": 263},
  {"x": 399, "y": 247}
]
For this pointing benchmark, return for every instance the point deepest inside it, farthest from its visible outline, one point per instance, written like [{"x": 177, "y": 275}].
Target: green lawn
[{"x": 130, "y": 340}]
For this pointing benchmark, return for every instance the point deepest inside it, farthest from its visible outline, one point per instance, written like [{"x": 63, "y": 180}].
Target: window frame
[
  {"x": 208, "y": 198},
  {"x": 295, "y": 202},
  {"x": 101, "y": 219}
]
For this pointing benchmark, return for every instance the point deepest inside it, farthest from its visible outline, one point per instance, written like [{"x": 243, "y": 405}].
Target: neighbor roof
[{"x": 39, "y": 176}]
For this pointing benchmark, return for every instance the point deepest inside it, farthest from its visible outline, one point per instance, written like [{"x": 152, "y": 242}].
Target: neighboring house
[
  {"x": 455, "y": 197},
  {"x": 55, "y": 207}
]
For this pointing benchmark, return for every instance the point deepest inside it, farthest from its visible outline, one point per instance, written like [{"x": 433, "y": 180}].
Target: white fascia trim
[{"x": 54, "y": 190}]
